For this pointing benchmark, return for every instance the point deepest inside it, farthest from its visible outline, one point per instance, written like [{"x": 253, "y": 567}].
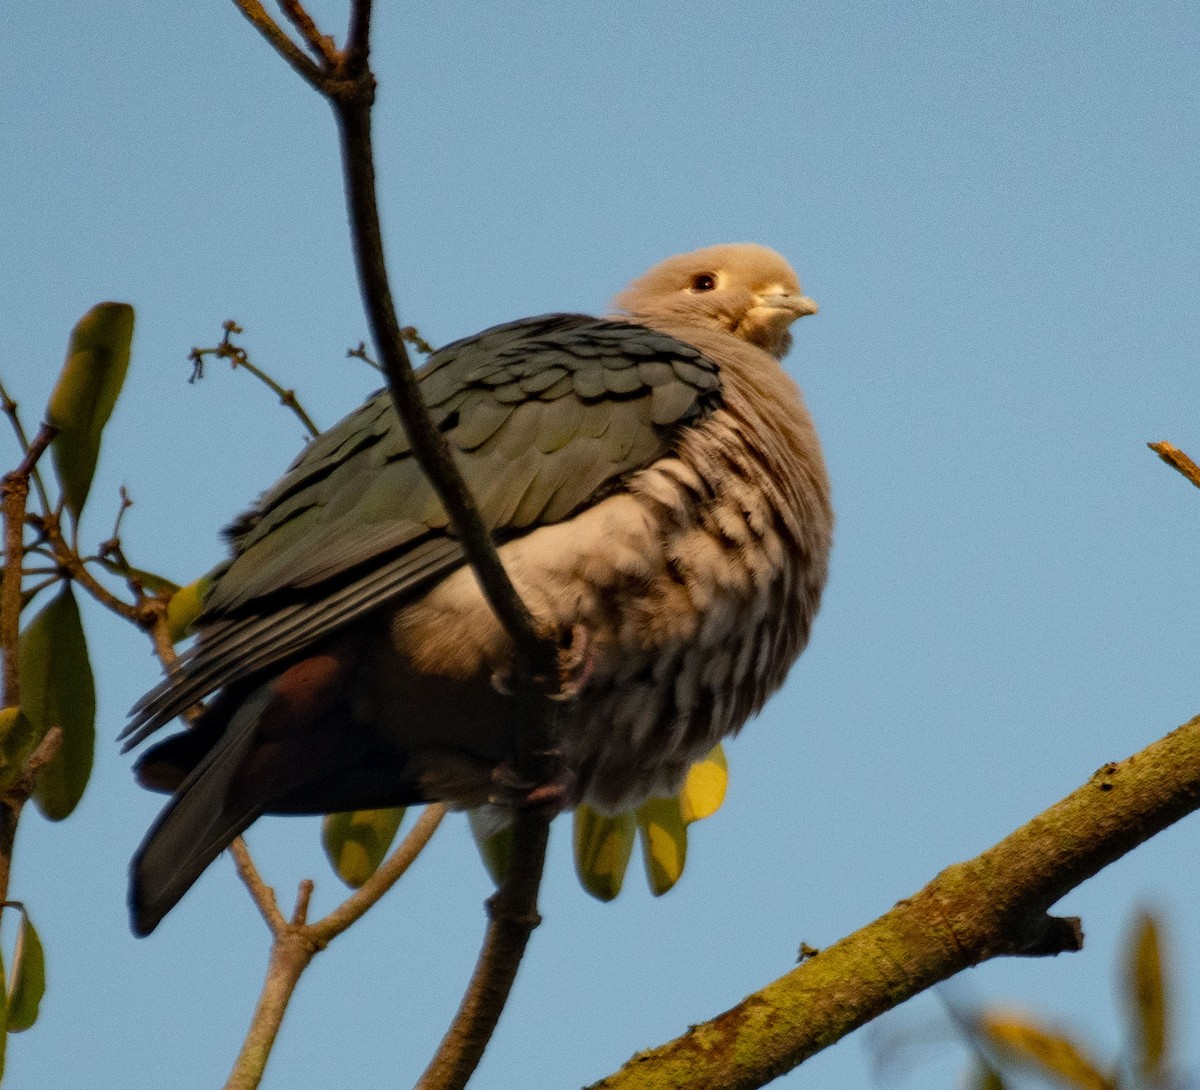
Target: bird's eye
[{"x": 704, "y": 282}]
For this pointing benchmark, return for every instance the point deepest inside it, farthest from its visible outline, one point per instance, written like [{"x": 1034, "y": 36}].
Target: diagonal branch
[
  {"x": 990, "y": 906},
  {"x": 1176, "y": 458},
  {"x": 284, "y": 46}
]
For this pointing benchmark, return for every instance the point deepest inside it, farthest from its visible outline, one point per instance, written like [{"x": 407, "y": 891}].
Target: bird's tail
[{"x": 199, "y": 822}]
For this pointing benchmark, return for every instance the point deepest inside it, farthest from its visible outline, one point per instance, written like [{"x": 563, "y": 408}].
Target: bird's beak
[{"x": 795, "y": 305}]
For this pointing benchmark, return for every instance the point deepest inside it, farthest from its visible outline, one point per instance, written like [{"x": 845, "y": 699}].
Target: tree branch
[
  {"x": 512, "y": 915},
  {"x": 1176, "y": 458},
  {"x": 296, "y": 942},
  {"x": 284, "y": 46},
  {"x": 990, "y": 906},
  {"x": 15, "y": 490}
]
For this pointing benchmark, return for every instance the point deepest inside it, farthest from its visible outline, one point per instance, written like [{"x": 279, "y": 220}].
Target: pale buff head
[{"x": 741, "y": 288}]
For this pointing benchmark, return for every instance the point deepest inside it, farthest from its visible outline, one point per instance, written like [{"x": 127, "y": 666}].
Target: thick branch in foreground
[{"x": 990, "y": 906}]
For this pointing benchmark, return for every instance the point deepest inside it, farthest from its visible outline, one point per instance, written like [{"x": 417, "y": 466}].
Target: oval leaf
[
  {"x": 57, "y": 690},
  {"x": 704, "y": 789},
  {"x": 18, "y": 736},
  {"x": 602, "y": 848},
  {"x": 664, "y": 842},
  {"x": 185, "y": 606},
  {"x": 87, "y": 389},
  {"x": 1146, "y": 994},
  {"x": 28, "y": 982},
  {"x": 1050, "y": 1054},
  {"x": 493, "y": 838},
  {"x": 357, "y": 841}
]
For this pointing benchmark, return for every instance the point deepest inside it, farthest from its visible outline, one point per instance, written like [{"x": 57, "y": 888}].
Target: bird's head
[{"x": 741, "y": 288}]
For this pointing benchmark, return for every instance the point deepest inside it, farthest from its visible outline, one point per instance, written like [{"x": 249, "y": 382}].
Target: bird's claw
[
  {"x": 575, "y": 662},
  {"x": 550, "y": 797}
]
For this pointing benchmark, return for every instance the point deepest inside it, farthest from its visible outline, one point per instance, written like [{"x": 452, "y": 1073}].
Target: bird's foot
[
  {"x": 575, "y": 663},
  {"x": 549, "y": 797}
]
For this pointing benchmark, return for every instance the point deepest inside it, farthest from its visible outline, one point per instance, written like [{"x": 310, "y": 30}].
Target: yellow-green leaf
[
  {"x": 18, "y": 736},
  {"x": 1146, "y": 994},
  {"x": 494, "y": 842},
  {"x": 602, "y": 847},
  {"x": 704, "y": 789},
  {"x": 1043, "y": 1050},
  {"x": 27, "y": 984},
  {"x": 57, "y": 691},
  {"x": 357, "y": 841},
  {"x": 185, "y": 606},
  {"x": 87, "y": 389},
  {"x": 664, "y": 842}
]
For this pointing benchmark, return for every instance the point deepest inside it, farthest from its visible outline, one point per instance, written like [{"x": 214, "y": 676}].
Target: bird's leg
[
  {"x": 551, "y": 798},
  {"x": 575, "y": 663}
]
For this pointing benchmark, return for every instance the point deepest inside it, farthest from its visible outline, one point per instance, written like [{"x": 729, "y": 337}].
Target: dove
[{"x": 656, "y": 491}]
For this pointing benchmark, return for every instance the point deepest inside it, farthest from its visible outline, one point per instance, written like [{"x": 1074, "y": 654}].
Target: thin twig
[
  {"x": 262, "y": 894},
  {"x": 17, "y": 795},
  {"x": 15, "y": 489},
  {"x": 295, "y": 942},
  {"x": 286, "y": 48},
  {"x": 388, "y": 874},
  {"x": 239, "y": 357},
  {"x": 321, "y": 44},
  {"x": 1176, "y": 458},
  {"x": 10, "y": 409},
  {"x": 72, "y": 563}
]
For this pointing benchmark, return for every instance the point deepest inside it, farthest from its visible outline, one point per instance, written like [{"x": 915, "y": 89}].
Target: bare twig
[
  {"x": 388, "y": 874},
  {"x": 321, "y": 44},
  {"x": 262, "y": 894},
  {"x": 296, "y": 942},
  {"x": 10, "y": 409},
  {"x": 238, "y": 357},
  {"x": 15, "y": 489},
  {"x": 17, "y": 795},
  {"x": 287, "y": 49},
  {"x": 1176, "y": 458}
]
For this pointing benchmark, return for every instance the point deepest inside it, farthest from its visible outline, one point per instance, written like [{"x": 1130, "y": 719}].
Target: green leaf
[
  {"x": 1146, "y": 995},
  {"x": 602, "y": 848},
  {"x": 664, "y": 842},
  {"x": 27, "y": 984},
  {"x": 494, "y": 843},
  {"x": 83, "y": 399},
  {"x": 357, "y": 841},
  {"x": 704, "y": 789},
  {"x": 18, "y": 736},
  {"x": 57, "y": 690},
  {"x": 185, "y": 606}
]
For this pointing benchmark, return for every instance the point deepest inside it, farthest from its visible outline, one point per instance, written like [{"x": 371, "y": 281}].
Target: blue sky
[{"x": 995, "y": 207}]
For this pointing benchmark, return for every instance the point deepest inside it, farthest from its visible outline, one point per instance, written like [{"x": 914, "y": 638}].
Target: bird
[{"x": 656, "y": 490}]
